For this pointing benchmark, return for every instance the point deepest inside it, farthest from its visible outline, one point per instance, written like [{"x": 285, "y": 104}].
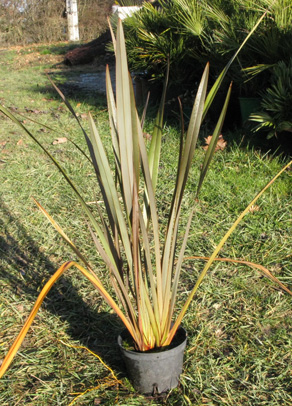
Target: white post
[{"x": 72, "y": 18}]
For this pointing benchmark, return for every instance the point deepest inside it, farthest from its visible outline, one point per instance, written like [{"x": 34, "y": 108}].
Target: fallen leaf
[
  {"x": 3, "y": 143},
  {"x": 20, "y": 308},
  {"x": 207, "y": 142},
  {"x": 61, "y": 140},
  {"x": 19, "y": 142},
  {"x": 264, "y": 236},
  {"x": 147, "y": 136},
  {"x": 221, "y": 143},
  {"x": 35, "y": 111},
  {"x": 219, "y": 333},
  {"x": 254, "y": 208}
]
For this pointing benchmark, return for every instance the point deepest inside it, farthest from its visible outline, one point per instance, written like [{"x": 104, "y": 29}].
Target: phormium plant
[{"x": 143, "y": 267}]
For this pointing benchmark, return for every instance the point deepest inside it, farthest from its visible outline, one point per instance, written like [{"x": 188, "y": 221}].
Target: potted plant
[{"x": 143, "y": 261}]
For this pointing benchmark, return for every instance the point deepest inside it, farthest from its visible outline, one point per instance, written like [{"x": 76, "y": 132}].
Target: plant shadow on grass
[
  {"x": 97, "y": 331},
  {"x": 86, "y": 84},
  {"x": 75, "y": 87}
]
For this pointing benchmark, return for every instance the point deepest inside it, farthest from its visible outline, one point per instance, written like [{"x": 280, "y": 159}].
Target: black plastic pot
[{"x": 155, "y": 371}]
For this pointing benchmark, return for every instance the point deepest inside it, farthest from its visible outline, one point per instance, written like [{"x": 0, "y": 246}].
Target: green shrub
[
  {"x": 156, "y": 35},
  {"x": 191, "y": 33},
  {"x": 276, "y": 115}
]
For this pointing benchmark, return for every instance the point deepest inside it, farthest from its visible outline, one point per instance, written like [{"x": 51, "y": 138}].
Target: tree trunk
[{"x": 72, "y": 18}]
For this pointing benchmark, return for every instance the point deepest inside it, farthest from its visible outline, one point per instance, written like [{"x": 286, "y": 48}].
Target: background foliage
[
  {"x": 24, "y": 22},
  {"x": 192, "y": 33}
]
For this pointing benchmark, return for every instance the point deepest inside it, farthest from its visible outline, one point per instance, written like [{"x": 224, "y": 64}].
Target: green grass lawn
[{"x": 239, "y": 324}]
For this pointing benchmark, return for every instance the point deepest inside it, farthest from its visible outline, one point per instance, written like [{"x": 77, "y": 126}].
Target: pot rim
[{"x": 161, "y": 354}]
